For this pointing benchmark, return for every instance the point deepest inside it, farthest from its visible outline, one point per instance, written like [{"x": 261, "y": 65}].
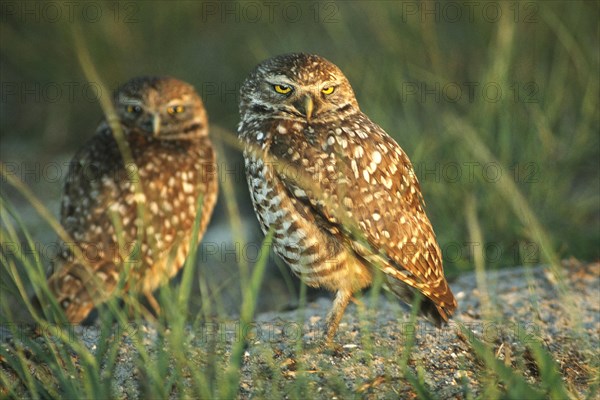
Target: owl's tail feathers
[
  {"x": 76, "y": 289},
  {"x": 437, "y": 306},
  {"x": 438, "y": 315},
  {"x": 444, "y": 302}
]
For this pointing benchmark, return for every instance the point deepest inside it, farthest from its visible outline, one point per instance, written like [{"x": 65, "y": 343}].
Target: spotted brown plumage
[
  {"x": 139, "y": 233},
  {"x": 339, "y": 193}
]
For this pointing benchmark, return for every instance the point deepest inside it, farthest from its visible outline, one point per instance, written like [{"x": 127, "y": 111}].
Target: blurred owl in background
[{"x": 133, "y": 218}]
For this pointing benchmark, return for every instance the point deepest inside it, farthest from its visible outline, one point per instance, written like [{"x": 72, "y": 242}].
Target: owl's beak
[
  {"x": 152, "y": 124},
  {"x": 306, "y": 106}
]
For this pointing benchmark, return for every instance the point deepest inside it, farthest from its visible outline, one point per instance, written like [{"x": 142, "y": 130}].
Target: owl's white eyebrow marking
[
  {"x": 185, "y": 98},
  {"x": 130, "y": 100},
  {"x": 329, "y": 84},
  {"x": 279, "y": 79},
  {"x": 181, "y": 101}
]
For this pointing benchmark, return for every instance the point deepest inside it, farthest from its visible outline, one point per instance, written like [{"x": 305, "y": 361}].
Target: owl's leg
[
  {"x": 153, "y": 302},
  {"x": 342, "y": 298}
]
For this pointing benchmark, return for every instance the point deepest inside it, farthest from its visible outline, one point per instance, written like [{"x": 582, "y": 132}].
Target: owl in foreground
[
  {"x": 138, "y": 230},
  {"x": 339, "y": 194}
]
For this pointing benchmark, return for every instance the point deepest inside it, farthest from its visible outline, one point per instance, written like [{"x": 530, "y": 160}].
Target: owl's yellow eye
[
  {"x": 328, "y": 90},
  {"x": 282, "y": 89},
  {"x": 175, "y": 110},
  {"x": 134, "y": 109}
]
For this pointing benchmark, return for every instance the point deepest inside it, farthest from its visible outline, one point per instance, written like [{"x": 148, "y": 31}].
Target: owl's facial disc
[
  {"x": 299, "y": 87},
  {"x": 162, "y": 108},
  {"x": 177, "y": 119},
  {"x": 308, "y": 101}
]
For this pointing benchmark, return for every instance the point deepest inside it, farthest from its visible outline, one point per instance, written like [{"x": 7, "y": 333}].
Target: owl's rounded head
[
  {"x": 298, "y": 86},
  {"x": 162, "y": 107}
]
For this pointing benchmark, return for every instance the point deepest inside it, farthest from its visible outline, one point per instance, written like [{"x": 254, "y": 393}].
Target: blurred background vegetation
[{"x": 485, "y": 97}]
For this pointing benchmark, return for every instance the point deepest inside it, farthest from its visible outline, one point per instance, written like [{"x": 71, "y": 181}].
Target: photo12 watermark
[
  {"x": 255, "y": 12},
  {"x": 70, "y": 11},
  {"x": 439, "y": 11},
  {"x": 57, "y": 172},
  {"x": 277, "y": 330},
  {"x": 448, "y": 173},
  {"x": 524, "y": 252},
  {"x": 467, "y": 172},
  {"x": 31, "y": 92},
  {"x": 468, "y": 92}
]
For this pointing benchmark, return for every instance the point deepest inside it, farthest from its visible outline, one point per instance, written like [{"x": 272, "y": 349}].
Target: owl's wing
[
  {"x": 363, "y": 184},
  {"x": 88, "y": 192},
  {"x": 90, "y": 183}
]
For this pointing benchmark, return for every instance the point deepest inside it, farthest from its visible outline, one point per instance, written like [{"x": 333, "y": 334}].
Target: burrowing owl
[
  {"x": 339, "y": 193},
  {"x": 142, "y": 234}
]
